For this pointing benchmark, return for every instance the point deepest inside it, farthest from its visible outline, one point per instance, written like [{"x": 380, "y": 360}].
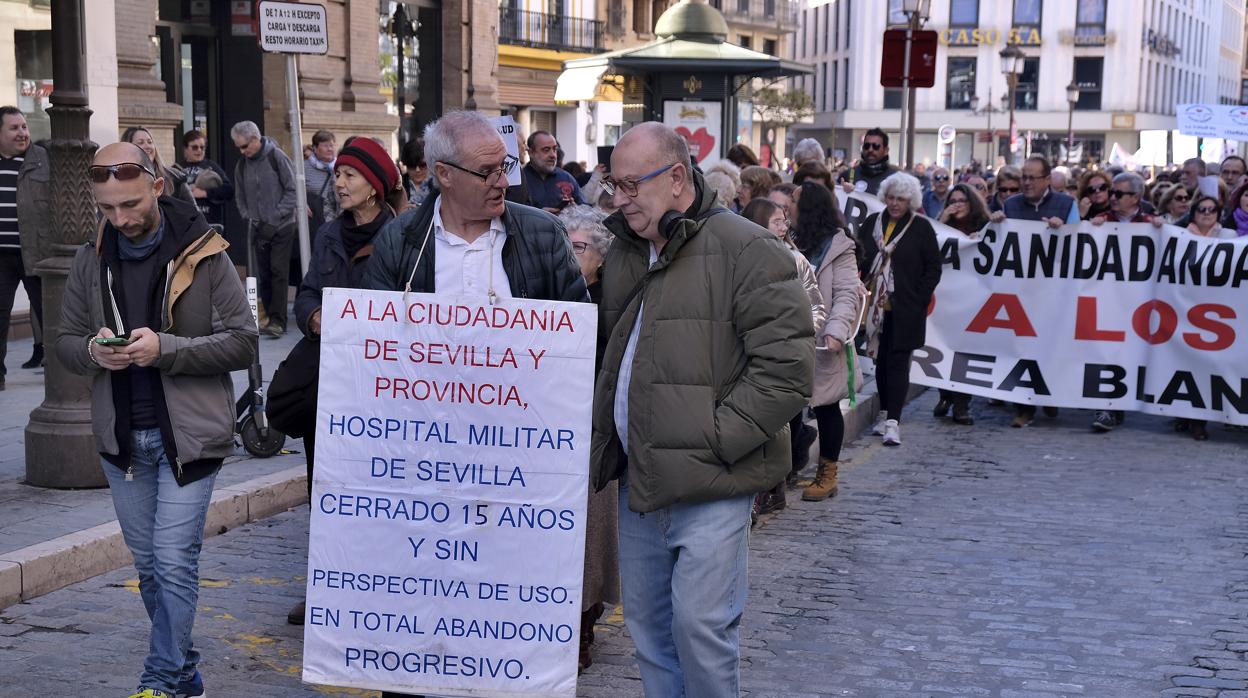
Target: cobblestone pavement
[{"x": 981, "y": 561}]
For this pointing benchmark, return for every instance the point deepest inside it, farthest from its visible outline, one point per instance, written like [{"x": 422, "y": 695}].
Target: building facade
[
  {"x": 1133, "y": 61},
  {"x": 26, "y": 60}
]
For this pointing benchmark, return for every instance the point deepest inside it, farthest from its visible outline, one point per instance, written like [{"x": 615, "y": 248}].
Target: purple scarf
[{"x": 1241, "y": 222}]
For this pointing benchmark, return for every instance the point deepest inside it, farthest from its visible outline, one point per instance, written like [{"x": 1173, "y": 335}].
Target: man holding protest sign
[
  {"x": 466, "y": 238},
  {"x": 1037, "y": 202},
  {"x": 708, "y": 353}
]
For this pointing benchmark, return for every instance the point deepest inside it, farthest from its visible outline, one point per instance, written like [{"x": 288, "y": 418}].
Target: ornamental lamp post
[
  {"x": 402, "y": 31},
  {"x": 1072, "y": 98},
  {"x": 1011, "y": 66},
  {"x": 917, "y": 13}
]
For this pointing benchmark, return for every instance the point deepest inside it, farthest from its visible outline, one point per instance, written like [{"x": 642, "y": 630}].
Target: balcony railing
[
  {"x": 770, "y": 12},
  {"x": 539, "y": 30}
]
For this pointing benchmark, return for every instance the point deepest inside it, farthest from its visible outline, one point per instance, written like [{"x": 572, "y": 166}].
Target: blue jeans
[
  {"x": 163, "y": 525},
  {"x": 683, "y": 577}
]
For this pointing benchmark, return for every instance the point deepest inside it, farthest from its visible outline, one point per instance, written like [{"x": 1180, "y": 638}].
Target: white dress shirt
[{"x": 464, "y": 268}]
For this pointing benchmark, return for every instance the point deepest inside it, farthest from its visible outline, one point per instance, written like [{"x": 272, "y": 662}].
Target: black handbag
[{"x": 291, "y": 403}]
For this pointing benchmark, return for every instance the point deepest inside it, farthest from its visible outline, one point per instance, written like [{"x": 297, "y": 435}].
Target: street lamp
[
  {"x": 1072, "y": 98},
  {"x": 402, "y": 30},
  {"x": 1011, "y": 66},
  {"x": 917, "y": 12},
  {"x": 988, "y": 109}
]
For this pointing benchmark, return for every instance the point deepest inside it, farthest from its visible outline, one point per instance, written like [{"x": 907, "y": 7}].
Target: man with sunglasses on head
[
  {"x": 466, "y": 238},
  {"x": 872, "y": 168},
  {"x": 708, "y": 352},
  {"x": 265, "y": 193},
  {"x": 156, "y": 315}
]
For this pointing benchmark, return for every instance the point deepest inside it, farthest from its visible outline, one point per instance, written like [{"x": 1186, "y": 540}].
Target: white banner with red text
[
  {"x": 1119, "y": 317},
  {"x": 447, "y": 529}
]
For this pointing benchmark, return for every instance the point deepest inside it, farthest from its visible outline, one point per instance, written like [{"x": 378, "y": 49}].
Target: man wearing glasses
[
  {"x": 466, "y": 238},
  {"x": 873, "y": 167},
  {"x": 708, "y": 351},
  {"x": 1037, "y": 202},
  {"x": 934, "y": 200},
  {"x": 155, "y": 314},
  {"x": 265, "y": 194}
]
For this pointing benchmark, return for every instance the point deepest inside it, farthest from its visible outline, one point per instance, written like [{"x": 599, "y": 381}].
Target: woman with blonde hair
[{"x": 175, "y": 178}]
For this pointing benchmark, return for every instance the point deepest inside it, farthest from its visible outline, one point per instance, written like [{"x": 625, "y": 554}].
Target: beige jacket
[{"x": 838, "y": 283}]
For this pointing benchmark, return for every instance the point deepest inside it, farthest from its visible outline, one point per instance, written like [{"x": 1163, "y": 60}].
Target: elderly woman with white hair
[
  {"x": 900, "y": 264},
  {"x": 601, "y": 582},
  {"x": 807, "y": 150}
]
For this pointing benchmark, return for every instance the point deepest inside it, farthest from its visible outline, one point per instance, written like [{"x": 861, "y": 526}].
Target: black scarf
[
  {"x": 878, "y": 168},
  {"x": 355, "y": 237}
]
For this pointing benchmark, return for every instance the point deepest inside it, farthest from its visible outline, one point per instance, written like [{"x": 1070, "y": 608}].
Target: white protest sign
[
  {"x": 293, "y": 27},
  {"x": 507, "y": 128},
  {"x": 1118, "y": 316},
  {"x": 448, "y": 506},
  {"x": 1213, "y": 120}
]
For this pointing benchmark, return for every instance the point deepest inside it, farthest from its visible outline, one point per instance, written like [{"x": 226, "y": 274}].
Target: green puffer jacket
[{"x": 724, "y": 360}]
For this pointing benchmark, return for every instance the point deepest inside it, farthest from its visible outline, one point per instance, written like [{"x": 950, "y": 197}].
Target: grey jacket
[
  {"x": 34, "y": 205},
  {"x": 206, "y": 331},
  {"x": 264, "y": 186}
]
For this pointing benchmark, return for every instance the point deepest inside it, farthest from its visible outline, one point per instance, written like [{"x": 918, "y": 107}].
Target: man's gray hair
[
  {"x": 1132, "y": 179},
  {"x": 446, "y": 137},
  {"x": 902, "y": 184},
  {"x": 807, "y": 149},
  {"x": 245, "y": 129},
  {"x": 589, "y": 220}
]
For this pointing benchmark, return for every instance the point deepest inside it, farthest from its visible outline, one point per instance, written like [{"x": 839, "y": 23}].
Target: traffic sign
[
  {"x": 293, "y": 27},
  {"x": 922, "y": 58}
]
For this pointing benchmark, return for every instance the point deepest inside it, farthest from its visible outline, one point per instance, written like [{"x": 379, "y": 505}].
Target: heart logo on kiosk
[{"x": 701, "y": 143}]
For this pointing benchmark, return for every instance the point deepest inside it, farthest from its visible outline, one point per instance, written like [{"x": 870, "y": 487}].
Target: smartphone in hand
[{"x": 115, "y": 341}]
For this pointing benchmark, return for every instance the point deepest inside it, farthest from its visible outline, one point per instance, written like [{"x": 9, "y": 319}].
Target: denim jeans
[
  {"x": 163, "y": 525},
  {"x": 683, "y": 577}
]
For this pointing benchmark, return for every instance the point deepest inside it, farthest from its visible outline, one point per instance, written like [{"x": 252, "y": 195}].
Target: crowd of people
[{"x": 735, "y": 305}]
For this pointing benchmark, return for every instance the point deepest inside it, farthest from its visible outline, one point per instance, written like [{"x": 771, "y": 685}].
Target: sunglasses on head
[
  {"x": 122, "y": 172},
  {"x": 872, "y": 146}
]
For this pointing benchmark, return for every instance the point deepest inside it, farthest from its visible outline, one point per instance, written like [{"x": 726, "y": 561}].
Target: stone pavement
[
  {"x": 53, "y": 536},
  {"x": 983, "y": 561}
]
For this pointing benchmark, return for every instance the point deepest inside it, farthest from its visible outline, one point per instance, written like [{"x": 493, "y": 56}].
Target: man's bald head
[
  {"x": 130, "y": 205},
  {"x": 122, "y": 152},
  {"x": 659, "y": 141}
]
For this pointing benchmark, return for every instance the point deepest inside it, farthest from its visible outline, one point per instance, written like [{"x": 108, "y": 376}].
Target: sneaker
[
  {"x": 1104, "y": 421},
  {"x": 275, "y": 328},
  {"x": 194, "y": 688},
  {"x": 151, "y": 693},
  {"x": 878, "y": 429},
  {"x": 892, "y": 433}
]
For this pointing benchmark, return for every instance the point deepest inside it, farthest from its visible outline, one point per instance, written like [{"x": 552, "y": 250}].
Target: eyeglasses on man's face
[
  {"x": 629, "y": 185},
  {"x": 1008, "y": 190},
  {"x": 871, "y": 145},
  {"x": 490, "y": 177},
  {"x": 1119, "y": 193}
]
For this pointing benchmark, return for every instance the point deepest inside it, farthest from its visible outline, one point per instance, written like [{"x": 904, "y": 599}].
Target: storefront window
[
  {"x": 34, "y": 79},
  {"x": 1088, "y": 73},
  {"x": 960, "y": 84}
]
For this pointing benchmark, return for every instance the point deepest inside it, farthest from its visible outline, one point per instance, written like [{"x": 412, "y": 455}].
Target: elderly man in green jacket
[{"x": 709, "y": 351}]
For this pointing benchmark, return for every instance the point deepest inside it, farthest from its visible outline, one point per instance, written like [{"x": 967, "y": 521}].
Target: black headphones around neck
[{"x": 669, "y": 224}]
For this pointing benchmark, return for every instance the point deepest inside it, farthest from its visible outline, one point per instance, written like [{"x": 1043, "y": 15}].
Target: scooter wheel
[{"x": 257, "y": 445}]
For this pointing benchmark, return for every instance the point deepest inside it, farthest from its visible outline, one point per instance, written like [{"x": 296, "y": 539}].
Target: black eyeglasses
[
  {"x": 579, "y": 247},
  {"x": 490, "y": 177},
  {"x": 196, "y": 146},
  {"x": 122, "y": 172},
  {"x": 940, "y": 178},
  {"x": 1118, "y": 193},
  {"x": 629, "y": 186},
  {"x": 1207, "y": 210},
  {"x": 1008, "y": 190},
  {"x": 873, "y": 146},
  {"x": 1182, "y": 199}
]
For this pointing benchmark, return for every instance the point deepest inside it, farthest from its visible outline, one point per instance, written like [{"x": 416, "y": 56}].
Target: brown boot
[{"x": 824, "y": 485}]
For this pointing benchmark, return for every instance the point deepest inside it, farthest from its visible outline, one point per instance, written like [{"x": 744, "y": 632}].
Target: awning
[{"x": 579, "y": 84}]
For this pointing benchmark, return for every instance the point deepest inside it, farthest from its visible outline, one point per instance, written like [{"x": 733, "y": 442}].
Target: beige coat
[{"x": 838, "y": 282}]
